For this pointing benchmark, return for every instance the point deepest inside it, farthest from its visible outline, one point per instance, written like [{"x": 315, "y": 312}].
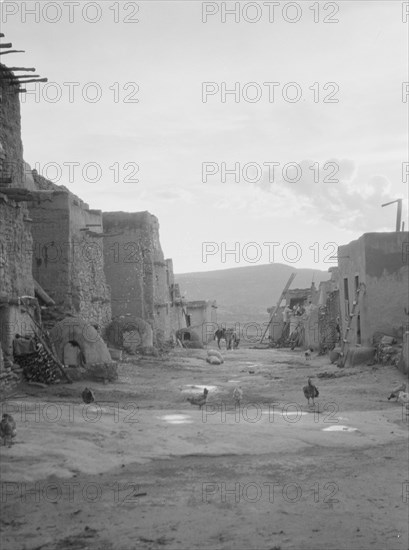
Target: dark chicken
[
  {"x": 310, "y": 391},
  {"x": 199, "y": 400},
  {"x": 88, "y": 396}
]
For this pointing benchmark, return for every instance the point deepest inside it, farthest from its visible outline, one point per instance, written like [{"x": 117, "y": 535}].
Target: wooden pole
[
  {"x": 12, "y": 51},
  {"x": 32, "y": 80},
  {"x": 399, "y": 215},
  {"x": 16, "y": 77},
  {"x": 31, "y": 70},
  {"x": 8, "y": 45}
]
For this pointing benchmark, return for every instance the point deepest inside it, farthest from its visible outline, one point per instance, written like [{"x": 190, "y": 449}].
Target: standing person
[{"x": 286, "y": 314}]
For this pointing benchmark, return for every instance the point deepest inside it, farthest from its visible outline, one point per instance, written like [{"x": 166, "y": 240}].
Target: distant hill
[{"x": 243, "y": 294}]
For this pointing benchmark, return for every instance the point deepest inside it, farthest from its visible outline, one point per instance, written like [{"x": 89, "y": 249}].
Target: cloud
[{"x": 332, "y": 191}]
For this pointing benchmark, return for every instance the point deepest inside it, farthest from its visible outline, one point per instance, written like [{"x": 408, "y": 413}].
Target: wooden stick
[
  {"x": 31, "y": 70},
  {"x": 16, "y": 77},
  {"x": 33, "y": 80},
  {"x": 12, "y": 51},
  {"x": 8, "y": 45}
]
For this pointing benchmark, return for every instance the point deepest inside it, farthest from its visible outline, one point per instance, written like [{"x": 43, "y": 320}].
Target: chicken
[
  {"x": 237, "y": 395},
  {"x": 7, "y": 428},
  {"x": 395, "y": 392},
  {"x": 199, "y": 400},
  {"x": 308, "y": 354},
  {"x": 310, "y": 391},
  {"x": 88, "y": 396}
]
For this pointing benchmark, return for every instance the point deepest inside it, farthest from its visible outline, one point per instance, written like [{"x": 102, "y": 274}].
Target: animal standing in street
[
  {"x": 199, "y": 400},
  {"x": 88, "y": 396},
  {"x": 395, "y": 392},
  {"x": 237, "y": 395},
  {"x": 310, "y": 391},
  {"x": 219, "y": 335},
  {"x": 7, "y": 428},
  {"x": 308, "y": 354}
]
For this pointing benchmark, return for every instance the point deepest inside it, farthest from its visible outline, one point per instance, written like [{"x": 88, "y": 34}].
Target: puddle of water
[
  {"x": 176, "y": 418},
  {"x": 233, "y": 382},
  {"x": 288, "y": 413},
  {"x": 338, "y": 428},
  {"x": 197, "y": 389}
]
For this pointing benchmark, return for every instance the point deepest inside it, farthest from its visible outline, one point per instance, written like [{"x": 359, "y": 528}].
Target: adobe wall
[
  {"x": 387, "y": 282},
  {"x": 351, "y": 263},
  {"x": 136, "y": 270},
  {"x": 68, "y": 257},
  {"x": 203, "y": 318},
  {"x": 50, "y": 230},
  {"x": 15, "y": 236},
  {"x": 15, "y": 251},
  {"x": 10, "y": 127}
]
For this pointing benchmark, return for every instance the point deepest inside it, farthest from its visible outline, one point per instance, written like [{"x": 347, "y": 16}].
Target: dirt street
[{"x": 144, "y": 469}]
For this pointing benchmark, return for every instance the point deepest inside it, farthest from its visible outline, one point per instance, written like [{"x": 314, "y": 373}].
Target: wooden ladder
[
  {"x": 287, "y": 286},
  {"x": 345, "y": 341}
]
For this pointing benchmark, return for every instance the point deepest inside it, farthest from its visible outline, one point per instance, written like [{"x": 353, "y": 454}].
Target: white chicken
[{"x": 396, "y": 391}]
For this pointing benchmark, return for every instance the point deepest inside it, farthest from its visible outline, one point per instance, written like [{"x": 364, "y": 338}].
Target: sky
[{"x": 297, "y": 159}]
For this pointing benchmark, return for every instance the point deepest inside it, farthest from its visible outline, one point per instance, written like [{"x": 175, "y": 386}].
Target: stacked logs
[{"x": 39, "y": 366}]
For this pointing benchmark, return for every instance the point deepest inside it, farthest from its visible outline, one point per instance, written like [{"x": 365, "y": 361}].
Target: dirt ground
[{"x": 144, "y": 469}]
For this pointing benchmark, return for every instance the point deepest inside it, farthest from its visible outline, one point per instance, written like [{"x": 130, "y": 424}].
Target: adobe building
[
  {"x": 39, "y": 225},
  {"x": 377, "y": 265},
  {"x": 141, "y": 280}
]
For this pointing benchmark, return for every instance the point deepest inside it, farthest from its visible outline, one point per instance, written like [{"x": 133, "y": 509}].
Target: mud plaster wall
[
  {"x": 15, "y": 252},
  {"x": 387, "y": 282},
  {"x": 68, "y": 262},
  {"x": 136, "y": 270},
  {"x": 380, "y": 262}
]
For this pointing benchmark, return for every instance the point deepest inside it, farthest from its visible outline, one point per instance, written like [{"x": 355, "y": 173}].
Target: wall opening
[{"x": 72, "y": 354}]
